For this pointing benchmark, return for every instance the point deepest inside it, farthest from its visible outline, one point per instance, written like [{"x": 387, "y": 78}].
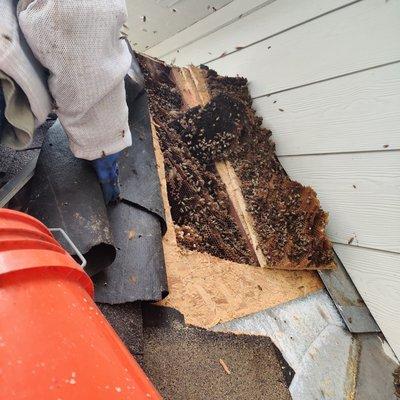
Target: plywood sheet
[{"x": 208, "y": 290}]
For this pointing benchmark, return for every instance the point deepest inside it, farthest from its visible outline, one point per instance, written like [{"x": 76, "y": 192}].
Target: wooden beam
[{"x": 232, "y": 184}]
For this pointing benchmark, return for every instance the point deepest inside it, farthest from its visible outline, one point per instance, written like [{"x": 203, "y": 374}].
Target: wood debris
[
  {"x": 131, "y": 234},
  {"x": 225, "y": 367},
  {"x": 396, "y": 376}
]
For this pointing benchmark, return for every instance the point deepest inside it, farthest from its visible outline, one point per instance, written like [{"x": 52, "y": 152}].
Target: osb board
[{"x": 208, "y": 290}]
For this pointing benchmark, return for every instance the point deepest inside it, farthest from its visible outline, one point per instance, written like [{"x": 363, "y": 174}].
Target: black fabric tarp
[{"x": 65, "y": 193}]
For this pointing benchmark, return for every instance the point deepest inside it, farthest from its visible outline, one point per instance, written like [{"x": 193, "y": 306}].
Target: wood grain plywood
[{"x": 208, "y": 290}]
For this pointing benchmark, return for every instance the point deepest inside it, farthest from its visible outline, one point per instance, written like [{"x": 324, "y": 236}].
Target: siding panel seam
[
  {"x": 216, "y": 29},
  {"x": 285, "y": 30},
  {"x": 327, "y": 79}
]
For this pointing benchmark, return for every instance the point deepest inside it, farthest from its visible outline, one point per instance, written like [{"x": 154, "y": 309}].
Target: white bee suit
[{"x": 79, "y": 43}]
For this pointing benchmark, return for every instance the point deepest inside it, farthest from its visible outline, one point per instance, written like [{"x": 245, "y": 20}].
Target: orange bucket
[{"x": 54, "y": 341}]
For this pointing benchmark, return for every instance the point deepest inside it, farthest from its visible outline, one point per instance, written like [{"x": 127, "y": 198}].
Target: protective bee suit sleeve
[{"x": 80, "y": 44}]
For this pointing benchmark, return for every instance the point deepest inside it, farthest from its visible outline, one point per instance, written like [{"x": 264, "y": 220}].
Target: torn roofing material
[
  {"x": 140, "y": 184},
  {"x": 64, "y": 193},
  {"x": 126, "y": 319},
  {"x": 184, "y": 362},
  {"x": 138, "y": 272},
  {"x": 138, "y": 222},
  {"x": 17, "y": 166}
]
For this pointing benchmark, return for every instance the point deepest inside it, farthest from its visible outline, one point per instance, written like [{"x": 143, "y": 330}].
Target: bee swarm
[{"x": 287, "y": 216}]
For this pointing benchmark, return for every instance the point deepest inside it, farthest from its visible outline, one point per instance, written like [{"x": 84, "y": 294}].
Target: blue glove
[{"x": 108, "y": 174}]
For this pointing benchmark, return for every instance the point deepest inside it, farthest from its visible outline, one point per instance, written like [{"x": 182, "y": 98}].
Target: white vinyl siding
[
  {"x": 325, "y": 75},
  {"x": 153, "y": 21}
]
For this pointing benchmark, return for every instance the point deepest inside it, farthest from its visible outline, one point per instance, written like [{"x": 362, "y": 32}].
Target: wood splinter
[{"x": 225, "y": 367}]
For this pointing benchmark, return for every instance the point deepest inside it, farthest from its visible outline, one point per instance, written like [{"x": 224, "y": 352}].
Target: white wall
[
  {"x": 152, "y": 21},
  {"x": 325, "y": 75}
]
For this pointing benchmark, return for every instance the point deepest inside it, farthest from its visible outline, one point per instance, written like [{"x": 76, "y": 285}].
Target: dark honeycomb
[
  {"x": 287, "y": 216},
  {"x": 200, "y": 207}
]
